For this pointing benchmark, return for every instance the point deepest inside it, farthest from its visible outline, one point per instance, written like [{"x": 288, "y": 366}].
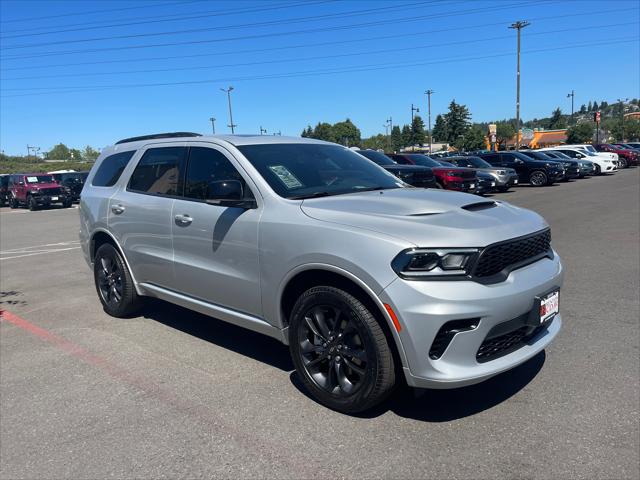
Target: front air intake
[{"x": 474, "y": 207}]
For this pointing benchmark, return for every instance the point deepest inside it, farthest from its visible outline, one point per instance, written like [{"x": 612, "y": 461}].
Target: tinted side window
[
  {"x": 160, "y": 171},
  {"x": 206, "y": 167},
  {"x": 492, "y": 159},
  {"x": 111, "y": 168},
  {"x": 401, "y": 160}
]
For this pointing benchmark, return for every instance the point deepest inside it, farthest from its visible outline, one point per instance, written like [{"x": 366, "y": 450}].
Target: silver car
[
  {"x": 366, "y": 279},
  {"x": 505, "y": 178}
]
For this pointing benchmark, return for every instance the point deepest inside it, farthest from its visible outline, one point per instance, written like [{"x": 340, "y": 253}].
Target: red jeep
[
  {"x": 626, "y": 156},
  {"x": 36, "y": 190},
  {"x": 451, "y": 178}
]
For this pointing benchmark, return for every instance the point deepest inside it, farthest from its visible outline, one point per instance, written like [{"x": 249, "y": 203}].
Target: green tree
[
  {"x": 439, "y": 132},
  {"x": 307, "y": 132},
  {"x": 583, "y": 108},
  {"x": 376, "y": 142},
  {"x": 396, "y": 138},
  {"x": 406, "y": 136},
  {"x": 58, "y": 152},
  {"x": 505, "y": 131},
  {"x": 580, "y": 133},
  {"x": 474, "y": 139},
  {"x": 347, "y": 133},
  {"x": 89, "y": 154},
  {"x": 557, "y": 120},
  {"x": 418, "y": 136},
  {"x": 631, "y": 129},
  {"x": 590, "y": 107},
  {"x": 323, "y": 131},
  {"x": 603, "y": 105},
  {"x": 595, "y": 106},
  {"x": 458, "y": 122}
]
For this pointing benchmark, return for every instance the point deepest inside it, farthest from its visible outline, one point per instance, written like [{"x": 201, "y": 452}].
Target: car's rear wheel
[
  {"x": 67, "y": 203},
  {"x": 503, "y": 189},
  {"x": 114, "y": 284},
  {"x": 538, "y": 178},
  {"x": 623, "y": 163},
  {"x": 340, "y": 351},
  {"x": 13, "y": 202},
  {"x": 32, "y": 203}
]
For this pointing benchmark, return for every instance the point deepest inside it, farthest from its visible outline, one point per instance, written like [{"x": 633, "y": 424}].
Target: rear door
[
  {"x": 140, "y": 212},
  {"x": 216, "y": 247}
]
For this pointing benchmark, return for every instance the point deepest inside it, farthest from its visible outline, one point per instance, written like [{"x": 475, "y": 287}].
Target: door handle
[
  {"x": 117, "y": 209},
  {"x": 183, "y": 220}
]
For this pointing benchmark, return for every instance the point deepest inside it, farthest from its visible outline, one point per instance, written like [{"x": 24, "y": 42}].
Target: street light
[
  {"x": 572, "y": 94},
  {"x": 519, "y": 25},
  {"x": 213, "y": 124},
  {"x": 263, "y": 131},
  {"x": 231, "y": 124},
  {"x": 428, "y": 93},
  {"x": 622, "y": 102}
]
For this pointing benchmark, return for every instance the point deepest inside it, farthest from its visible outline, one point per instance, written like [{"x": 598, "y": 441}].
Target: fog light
[{"x": 453, "y": 261}]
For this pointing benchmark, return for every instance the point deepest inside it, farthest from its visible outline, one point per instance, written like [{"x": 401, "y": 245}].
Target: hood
[
  {"x": 41, "y": 186},
  {"x": 427, "y": 218}
]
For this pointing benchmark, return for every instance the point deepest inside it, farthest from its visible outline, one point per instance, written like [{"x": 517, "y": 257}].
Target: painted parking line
[
  {"x": 45, "y": 249},
  {"x": 44, "y": 252},
  {"x": 46, "y": 245}
]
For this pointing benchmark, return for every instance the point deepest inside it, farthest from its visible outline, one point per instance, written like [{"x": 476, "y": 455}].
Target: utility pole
[
  {"x": 428, "y": 93},
  {"x": 519, "y": 25},
  {"x": 263, "y": 131},
  {"x": 213, "y": 124},
  {"x": 413, "y": 109},
  {"x": 622, "y": 117},
  {"x": 390, "y": 122},
  {"x": 231, "y": 124},
  {"x": 572, "y": 94}
]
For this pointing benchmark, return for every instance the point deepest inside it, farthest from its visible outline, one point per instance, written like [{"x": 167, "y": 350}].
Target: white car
[
  {"x": 592, "y": 149},
  {"x": 602, "y": 163}
]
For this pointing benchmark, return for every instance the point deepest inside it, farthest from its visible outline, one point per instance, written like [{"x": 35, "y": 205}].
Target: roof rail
[{"x": 159, "y": 135}]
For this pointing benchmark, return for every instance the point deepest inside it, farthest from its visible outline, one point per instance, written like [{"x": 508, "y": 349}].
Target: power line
[
  {"x": 317, "y": 44},
  {"x": 360, "y": 68},
  {"x": 276, "y": 34},
  {"x": 309, "y": 18},
  {"x": 157, "y": 19},
  {"x": 300, "y": 59},
  {"x": 72, "y": 14}
]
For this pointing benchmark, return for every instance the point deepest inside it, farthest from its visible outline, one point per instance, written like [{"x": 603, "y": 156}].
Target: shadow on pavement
[{"x": 240, "y": 340}]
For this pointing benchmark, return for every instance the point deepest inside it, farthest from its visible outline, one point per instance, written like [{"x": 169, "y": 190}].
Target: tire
[
  {"x": 13, "y": 202},
  {"x": 67, "y": 204},
  {"x": 32, "y": 203},
  {"x": 439, "y": 186},
  {"x": 597, "y": 170},
  {"x": 503, "y": 189},
  {"x": 538, "y": 178},
  {"x": 623, "y": 163},
  {"x": 340, "y": 351},
  {"x": 114, "y": 284}
]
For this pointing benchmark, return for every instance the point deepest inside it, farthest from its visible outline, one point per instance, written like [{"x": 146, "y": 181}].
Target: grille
[
  {"x": 51, "y": 191},
  {"x": 467, "y": 174},
  {"x": 496, "y": 258},
  {"x": 493, "y": 348}
]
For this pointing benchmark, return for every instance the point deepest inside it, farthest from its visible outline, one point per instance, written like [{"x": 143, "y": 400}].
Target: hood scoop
[{"x": 474, "y": 207}]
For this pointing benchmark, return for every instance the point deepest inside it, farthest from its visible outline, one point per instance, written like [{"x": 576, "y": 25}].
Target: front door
[{"x": 216, "y": 247}]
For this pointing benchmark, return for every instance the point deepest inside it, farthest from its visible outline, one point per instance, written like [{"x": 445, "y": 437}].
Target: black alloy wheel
[
  {"x": 114, "y": 283},
  {"x": 538, "y": 178},
  {"x": 32, "y": 203},
  {"x": 340, "y": 351}
]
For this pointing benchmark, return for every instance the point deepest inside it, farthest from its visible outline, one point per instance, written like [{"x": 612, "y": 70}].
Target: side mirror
[
  {"x": 228, "y": 193},
  {"x": 21, "y": 184},
  {"x": 518, "y": 161}
]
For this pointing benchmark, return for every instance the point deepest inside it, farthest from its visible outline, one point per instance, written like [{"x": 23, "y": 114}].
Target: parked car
[
  {"x": 626, "y": 156},
  {"x": 531, "y": 171},
  {"x": 571, "y": 167},
  {"x": 486, "y": 183},
  {"x": 586, "y": 167},
  {"x": 417, "y": 176},
  {"x": 628, "y": 146},
  {"x": 35, "y": 190},
  {"x": 305, "y": 241},
  {"x": 451, "y": 178},
  {"x": 71, "y": 182},
  {"x": 635, "y": 145},
  {"x": 602, "y": 163},
  {"x": 504, "y": 177},
  {"x": 4, "y": 190}
]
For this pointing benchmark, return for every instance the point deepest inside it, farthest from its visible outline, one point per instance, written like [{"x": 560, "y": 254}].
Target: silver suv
[{"x": 364, "y": 277}]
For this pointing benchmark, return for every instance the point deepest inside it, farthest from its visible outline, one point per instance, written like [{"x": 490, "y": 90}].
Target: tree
[
  {"x": 59, "y": 152},
  {"x": 458, "y": 122},
  {"x": 595, "y": 106},
  {"x": 631, "y": 129},
  {"x": 376, "y": 142},
  {"x": 557, "y": 120},
  {"x": 474, "y": 139},
  {"x": 89, "y": 154},
  {"x": 580, "y": 133},
  {"x": 347, "y": 133},
  {"x": 439, "y": 131},
  {"x": 583, "y": 108},
  {"x": 323, "y": 131},
  {"x": 590, "y": 107},
  {"x": 406, "y": 136},
  {"x": 396, "y": 138},
  {"x": 307, "y": 132},
  {"x": 418, "y": 136},
  {"x": 505, "y": 131},
  {"x": 603, "y": 105}
]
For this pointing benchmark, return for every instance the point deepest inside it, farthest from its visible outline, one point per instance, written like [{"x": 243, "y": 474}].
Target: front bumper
[
  {"x": 51, "y": 199},
  {"x": 423, "y": 307},
  {"x": 506, "y": 180},
  {"x": 469, "y": 186}
]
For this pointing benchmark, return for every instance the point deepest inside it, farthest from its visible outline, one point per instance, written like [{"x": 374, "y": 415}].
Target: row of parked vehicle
[
  {"x": 484, "y": 171},
  {"x": 37, "y": 190}
]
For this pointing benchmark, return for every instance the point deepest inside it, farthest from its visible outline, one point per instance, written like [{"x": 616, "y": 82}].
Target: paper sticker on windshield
[
  {"x": 289, "y": 179},
  {"x": 32, "y": 179}
]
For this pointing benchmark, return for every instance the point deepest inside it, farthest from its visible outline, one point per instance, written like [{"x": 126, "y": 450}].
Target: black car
[
  {"x": 412, "y": 174},
  {"x": 4, "y": 190},
  {"x": 71, "y": 182},
  {"x": 571, "y": 167},
  {"x": 536, "y": 172}
]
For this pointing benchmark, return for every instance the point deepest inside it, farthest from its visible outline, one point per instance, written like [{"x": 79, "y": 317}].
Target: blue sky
[{"x": 295, "y": 62}]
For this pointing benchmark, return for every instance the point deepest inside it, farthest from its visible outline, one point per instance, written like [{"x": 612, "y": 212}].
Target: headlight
[
  {"x": 34, "y": 192},
  {"x": 423, "y": 263},
  {"x": 502, "y": 172}
]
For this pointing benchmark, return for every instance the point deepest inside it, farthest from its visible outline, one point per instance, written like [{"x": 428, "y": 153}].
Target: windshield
[
  {"x": 375, "y": 156},
  {"x": 538, "y": 155},
  {"x": 590, "y": 148},
  {"x": 303, "y": 170},
  {"x": 423, "y": 160},
  {"x": 479, "y": 163},
  {"x": 446, "y": 164},
  {"x": 71, "y": 177},
  {"x": 40, "y": 179}
]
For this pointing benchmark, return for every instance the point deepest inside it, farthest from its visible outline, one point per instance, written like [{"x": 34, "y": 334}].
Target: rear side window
[
  {"x": 160, "y": 171},
  {"x": 111, "y": 168}
]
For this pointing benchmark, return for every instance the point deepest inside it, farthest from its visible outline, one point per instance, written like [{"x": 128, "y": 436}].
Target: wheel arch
[
  {"x": 99, "y": 238},
  {"x": 314, "y": 275}
]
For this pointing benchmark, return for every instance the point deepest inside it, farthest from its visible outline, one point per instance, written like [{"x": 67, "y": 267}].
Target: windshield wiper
[{"x": 312, "y": 195}]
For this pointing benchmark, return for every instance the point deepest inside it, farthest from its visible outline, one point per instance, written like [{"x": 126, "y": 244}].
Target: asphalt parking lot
[{"x": 174, "y": 393}]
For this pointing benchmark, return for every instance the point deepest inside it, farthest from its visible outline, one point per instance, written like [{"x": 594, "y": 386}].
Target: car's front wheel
[
  {"x": 340, "y": 351},
  {"x": 623, "y": 163},
  {"x": 597, "y": 170},
  {"x": 538, "y": 178},
  {"x": 32, "y": 203},
  {"x": 114, "y": 283}
]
